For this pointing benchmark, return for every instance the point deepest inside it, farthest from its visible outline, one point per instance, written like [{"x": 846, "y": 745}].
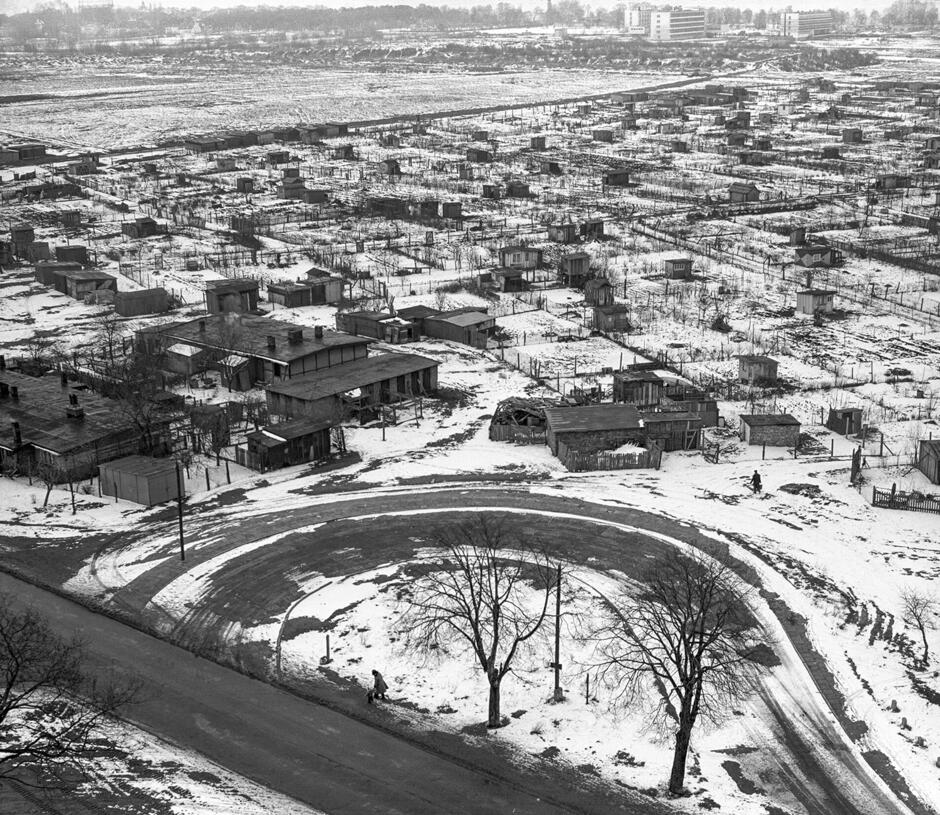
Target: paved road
[{"x": 309, "y": 752}]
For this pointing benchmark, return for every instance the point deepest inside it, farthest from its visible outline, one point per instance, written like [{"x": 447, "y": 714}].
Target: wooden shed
[
  {"x": 283, "y": 445},
  {"x": 774, "y": 430},
  {"x": 673, "y": 430},
  {"x": 141, "y": 479},
  {"x": 844, "y": 421},
  {"x": 223, "y": 296},
  {"x": 928, "y": 460},
  {"x": 811, "y": 301},
  {"x": 678, "y": 268},
  {"x": 143, "y": 301},
  {"x": 614, "y": 317},
  {"x": 741, "y": 193},
  {"x": 592, "y": 428},
  {"x": 574, "y": 269},
  {"x": 599, "y": 292},
  {"x": 641, "y": 388},
  {"x": 754, "y": 369}
]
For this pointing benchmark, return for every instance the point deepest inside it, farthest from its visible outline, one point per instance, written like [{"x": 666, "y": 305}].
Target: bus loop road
[{"x": 341, "y": 764}]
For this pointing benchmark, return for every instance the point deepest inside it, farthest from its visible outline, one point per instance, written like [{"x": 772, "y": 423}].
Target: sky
[{"x": 14, "y": 6}]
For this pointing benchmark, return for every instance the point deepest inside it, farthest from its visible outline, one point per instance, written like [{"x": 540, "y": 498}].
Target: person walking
[
  {"x": 755, "y": 481},
  {"x": 379, "y": 687}
]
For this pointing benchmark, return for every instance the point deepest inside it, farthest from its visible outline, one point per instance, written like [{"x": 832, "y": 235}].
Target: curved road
[{"x": 815, "y": 759}]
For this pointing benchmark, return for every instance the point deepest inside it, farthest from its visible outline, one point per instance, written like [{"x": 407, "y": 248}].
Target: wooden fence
[
  {"x": 519, "y": 434},
  {"x": 577, "y": 462},
  {"x": 915, "y": 501}
]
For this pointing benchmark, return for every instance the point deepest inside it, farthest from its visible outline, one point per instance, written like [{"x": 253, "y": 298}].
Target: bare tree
[
  {"x": 51, "y": 708},
  {"x": 686, "y": 635},
  {"x": 920, "y": 611},
  {"x": 489, "y": 597},
  {"x": 110, "y": 334}
]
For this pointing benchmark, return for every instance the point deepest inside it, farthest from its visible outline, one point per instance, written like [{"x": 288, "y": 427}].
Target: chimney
[
  {"x": 318, "y": 332},
  {"x": 14, "y": 392},
  {"x": 202, "y": 326},
  {"x": 4, "y": 390},
  {"x": 17, "y": 437},
  {"x": 272, "y": 343},
  {"x": 74, "y": 410},
  {"x": 295, "y": 336}
]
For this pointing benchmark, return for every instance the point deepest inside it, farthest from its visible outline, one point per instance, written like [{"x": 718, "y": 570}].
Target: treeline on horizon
[{"x": 55, "y": 19}]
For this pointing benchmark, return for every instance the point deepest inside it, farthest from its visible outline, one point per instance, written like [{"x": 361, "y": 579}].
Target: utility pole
[
  {"x": 179, "y": 504},
  {"x": 559, "y": 695}
]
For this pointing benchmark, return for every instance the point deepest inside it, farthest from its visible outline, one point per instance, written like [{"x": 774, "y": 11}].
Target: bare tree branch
[
  {"x": 489, "y": 597},
  {"x": 51, "y": 708},
  {"x": 685, "y": 635}
]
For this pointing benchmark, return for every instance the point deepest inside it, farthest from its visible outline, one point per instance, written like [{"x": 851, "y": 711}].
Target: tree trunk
[
  {"x": 683, "y": 738},
  {"x": 494, "y": 719},
  {"x": 923, "y": 636}
]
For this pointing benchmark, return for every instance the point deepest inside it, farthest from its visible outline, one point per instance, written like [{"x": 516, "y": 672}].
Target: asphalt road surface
[{"x": 309, "y": 752}]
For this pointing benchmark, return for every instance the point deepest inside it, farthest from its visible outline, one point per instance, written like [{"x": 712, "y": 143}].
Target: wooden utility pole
[
  {"x": 179, "y": 505},
  {"x": 559, "y": 695}
]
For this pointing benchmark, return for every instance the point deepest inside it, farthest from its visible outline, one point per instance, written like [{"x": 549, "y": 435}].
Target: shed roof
[
  {"x": 40, "y": 410},
  {"x": 351, "y": 375},
  {"x": 591, "y": 418},
  {"x": 143, "y": 466},
  {"x": 465, "y": 319},
  {"x": 250, "y": 337},
  {"x": 817, "y": 292},
  {"x": 769, "y": 420},
  {"x": 297, "y": 428}
]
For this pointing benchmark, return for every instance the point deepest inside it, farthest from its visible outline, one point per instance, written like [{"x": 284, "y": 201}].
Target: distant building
[
  {"x": 754, "y": 369},
  {"x": 678, "y": 268},
  {"x": 778, "y": 430},
  {"x": 599, "y": 292},
  {"x": 365, "y": 383},
  {"x": 613, "y": 317},
  {"x": 141, "y": 479},
  {"x": 811, "y": 301},
  {"x": 817, "y": 256},
  {"x": 740, "y": 193},
  {"x": 844, "y": 421},
  {"x": 236, "y": 296},
  {"x": 520, "y": 257},
  {"x": 248, "y": 349},
  {"x": 311, "y": 292},
  {"x": 928, "y": 460},
  {"x": 641, "y": 388},
  {"x": 44, "y": 423},
  {"x": 574, "y": 269},
  {"x": 299, "y": 441},
  {"x": 803, "y": 24},
  {"x": 679, "y": 24}
]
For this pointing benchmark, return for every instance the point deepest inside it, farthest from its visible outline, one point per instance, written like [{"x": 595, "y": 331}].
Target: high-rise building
[
  {"x": 679, "y": 24},
  {"x": 803, "y": 24},
  {"x": 636, "y": 19}
]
